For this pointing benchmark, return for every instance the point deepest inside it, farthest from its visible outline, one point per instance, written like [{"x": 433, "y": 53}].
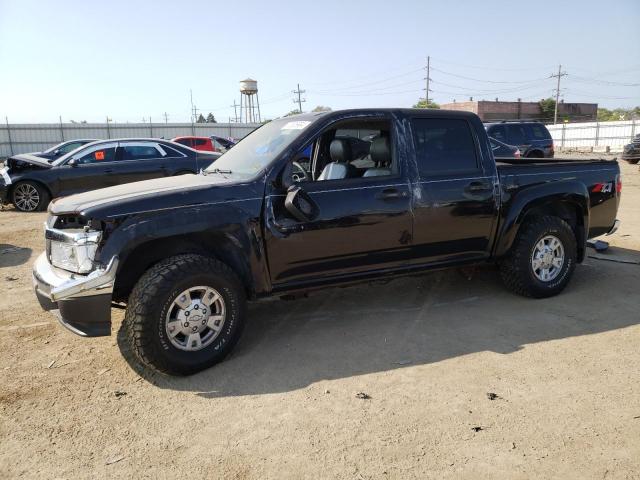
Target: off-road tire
[
  {"x": 43, "y": 195},
  {"x": 144, "y": 323},
  {"x": 516, "y": 270}
]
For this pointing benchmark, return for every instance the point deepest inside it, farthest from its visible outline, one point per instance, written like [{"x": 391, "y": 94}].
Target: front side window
[
  {"x": 70, "y": 147},
  {"x": 199, "y": 142},
  {"x": 97, "y": 155},
  {"x": 354, "y": 150},
  {"x": 444, "y": 146}
]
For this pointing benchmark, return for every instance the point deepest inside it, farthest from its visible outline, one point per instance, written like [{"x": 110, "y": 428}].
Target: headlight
[{"x": 72, "y": 250}]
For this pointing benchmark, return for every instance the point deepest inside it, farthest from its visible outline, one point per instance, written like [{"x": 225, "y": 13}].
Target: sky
[{"x": 134, "y": 60}]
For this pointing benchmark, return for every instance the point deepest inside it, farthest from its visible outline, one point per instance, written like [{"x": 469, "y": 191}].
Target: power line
[{"x": 483, "y": 80}]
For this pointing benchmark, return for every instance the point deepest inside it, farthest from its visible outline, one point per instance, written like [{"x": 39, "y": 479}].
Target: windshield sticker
[{"x": 299, "y": 125}]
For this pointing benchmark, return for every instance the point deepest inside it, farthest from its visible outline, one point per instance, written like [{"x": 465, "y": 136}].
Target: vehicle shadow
[
  {"x": 12, "y": 256},
  {"x": 340, "y": 333}
]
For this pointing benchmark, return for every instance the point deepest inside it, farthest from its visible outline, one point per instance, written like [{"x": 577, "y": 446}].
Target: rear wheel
[
  {"x": 542, "y": 259},
  {"x": 185, "y": 314},
  {"x": 535, "y": 154},
  {"x": 30, "y": 197}
]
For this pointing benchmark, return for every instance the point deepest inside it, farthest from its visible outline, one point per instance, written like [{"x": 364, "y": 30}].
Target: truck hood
[
  {"x": 152, "y": 195},
  {"x": 29, "y": 158}
]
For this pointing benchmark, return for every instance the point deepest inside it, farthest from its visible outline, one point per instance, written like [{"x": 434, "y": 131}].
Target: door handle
[
  {"x": 478, "y": 187},
  {"x": 391, "y": 194},
  {"x": 287, "y": 229},
  {"x": 108, "y": 170}
]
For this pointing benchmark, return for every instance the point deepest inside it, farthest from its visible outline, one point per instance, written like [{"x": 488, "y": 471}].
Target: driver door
[
  {"x": 89, "y": 170},
  {"x": 361, "y": 225}
]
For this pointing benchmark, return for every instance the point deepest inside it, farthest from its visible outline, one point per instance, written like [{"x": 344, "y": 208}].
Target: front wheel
[
  {"x": 185, "y": 314},
  {"x": 542, "y": 259},
  {"x": 30, "y": 197}
]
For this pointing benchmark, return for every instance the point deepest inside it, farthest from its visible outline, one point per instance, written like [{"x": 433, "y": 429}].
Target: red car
[{"x": 197, "y": 143}]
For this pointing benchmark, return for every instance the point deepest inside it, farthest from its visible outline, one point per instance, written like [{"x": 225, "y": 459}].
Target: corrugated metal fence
[
  {"x": 594, "y": 134},
  {"x": 34, "y": 137}
]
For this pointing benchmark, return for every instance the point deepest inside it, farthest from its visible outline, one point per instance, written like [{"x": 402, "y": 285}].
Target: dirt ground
[{"x": 427, "y": 350}]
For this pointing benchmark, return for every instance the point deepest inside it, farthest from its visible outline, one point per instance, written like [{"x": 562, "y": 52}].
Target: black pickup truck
[{"x": 184, "y": 254}]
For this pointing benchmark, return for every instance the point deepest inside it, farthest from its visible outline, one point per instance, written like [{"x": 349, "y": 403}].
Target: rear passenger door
[
  {"x": 137, "y": 161},
  {"x": 456, "y": 206}
]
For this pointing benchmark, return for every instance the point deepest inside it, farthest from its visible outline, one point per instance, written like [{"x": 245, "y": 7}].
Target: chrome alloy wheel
[
  {"x": 547, "y": 258},
  {"x": 26, "y": 197},
  {"x": 195, "y": 318}
]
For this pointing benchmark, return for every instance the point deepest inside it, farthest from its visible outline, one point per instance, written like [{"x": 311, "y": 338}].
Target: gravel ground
[{"x": 426, "y": 353}]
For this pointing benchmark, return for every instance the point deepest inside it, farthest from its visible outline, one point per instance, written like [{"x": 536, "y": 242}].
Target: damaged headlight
[{"x": 73, "y": 250}]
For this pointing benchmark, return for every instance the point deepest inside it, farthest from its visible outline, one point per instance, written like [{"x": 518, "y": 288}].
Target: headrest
[
  {"x": 340, "y": 150},
  {"x": 380, "y": 151}
]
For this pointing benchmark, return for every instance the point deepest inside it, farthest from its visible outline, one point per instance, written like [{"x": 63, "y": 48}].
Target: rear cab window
[{"x": 444, "y": 147}]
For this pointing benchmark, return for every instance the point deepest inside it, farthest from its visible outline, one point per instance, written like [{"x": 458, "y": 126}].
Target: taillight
[{"x": 618, "y": 184}]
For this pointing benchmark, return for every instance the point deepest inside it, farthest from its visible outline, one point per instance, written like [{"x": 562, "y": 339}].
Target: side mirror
[
  {"x": 299, "y": 204},
  {"x": 73, "y": 162},
  {"x": 56, "y": 152},
  {"x": 285, "y": 179}
]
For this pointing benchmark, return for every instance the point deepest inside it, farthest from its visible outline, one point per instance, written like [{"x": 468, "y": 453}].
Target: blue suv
[{"x": 532, "y": 138}]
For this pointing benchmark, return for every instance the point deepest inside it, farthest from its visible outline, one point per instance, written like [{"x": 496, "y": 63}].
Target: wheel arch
[
  {"x": 134, "y": 262},
  {"x": 566, "y": 200}
]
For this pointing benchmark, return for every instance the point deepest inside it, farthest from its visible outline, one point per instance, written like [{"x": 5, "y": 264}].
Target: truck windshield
[{"x": 259, "y": 148}]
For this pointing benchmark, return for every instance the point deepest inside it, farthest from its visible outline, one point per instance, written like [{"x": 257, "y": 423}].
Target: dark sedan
[
  {"x": 63, "y": 148},
  {"x": 503, "y": 150},
  {"x": 631, "y": 152},
  {"x": 30, "y": 182}
]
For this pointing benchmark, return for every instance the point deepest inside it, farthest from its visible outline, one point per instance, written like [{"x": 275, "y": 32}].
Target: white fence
[
  {"x": 594, "y": 134},
  {"x": 34, "y": 137}
]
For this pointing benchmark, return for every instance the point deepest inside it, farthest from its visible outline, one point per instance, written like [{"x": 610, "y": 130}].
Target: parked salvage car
[
  {"x": 222, "y": 144},
  {"x": 631, "y": 151},
  {"x": 203, "y": 144},
  {"x": 532, "y": 138},
  {"x": 503, "y": 150},
  {"x": 30, "y": 182},
  {"x": 63, "y": 148},
  {"x": 184, "y": 254}
]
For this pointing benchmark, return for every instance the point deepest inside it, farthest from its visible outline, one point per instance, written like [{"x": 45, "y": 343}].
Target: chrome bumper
[
  {"x": 83, "y": 301},
  {"x": 615, "y": 227}
]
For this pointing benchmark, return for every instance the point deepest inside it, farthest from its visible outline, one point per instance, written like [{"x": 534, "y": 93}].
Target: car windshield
[
  {"x": 256, "y": 151},
  {"x": 54, "y": 148},
  {"x": 67, "y": 156}
]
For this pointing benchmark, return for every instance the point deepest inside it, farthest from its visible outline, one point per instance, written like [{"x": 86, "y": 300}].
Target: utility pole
[
  {"x": 166, "y": 117},
  {"x": 235, "y": 112},
  {"x": 428, "y": 79},
  {"x": 300, "y": 100},
  {"x": 558, "y": 75}
]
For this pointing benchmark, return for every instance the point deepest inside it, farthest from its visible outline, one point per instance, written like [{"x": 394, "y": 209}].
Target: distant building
[{"x": 497, "y": 110}]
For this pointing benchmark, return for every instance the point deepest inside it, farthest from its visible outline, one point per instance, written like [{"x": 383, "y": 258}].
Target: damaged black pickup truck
[{"x": 307, "y": 202}]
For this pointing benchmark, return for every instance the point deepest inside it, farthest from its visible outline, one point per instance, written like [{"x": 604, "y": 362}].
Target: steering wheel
[{"x": 299, "y": 173}]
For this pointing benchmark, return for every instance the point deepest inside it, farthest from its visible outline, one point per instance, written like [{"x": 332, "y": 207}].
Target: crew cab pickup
[{"x": 184, "y": 254}]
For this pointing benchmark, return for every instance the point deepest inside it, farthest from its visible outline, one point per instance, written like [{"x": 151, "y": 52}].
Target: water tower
[{"x": 249, "y": 104}]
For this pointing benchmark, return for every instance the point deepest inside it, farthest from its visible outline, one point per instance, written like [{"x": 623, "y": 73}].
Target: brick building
[{"x": 492, "y": 111}]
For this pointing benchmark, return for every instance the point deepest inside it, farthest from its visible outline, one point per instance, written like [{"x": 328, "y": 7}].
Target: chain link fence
[{"x": 34, "y": 137}]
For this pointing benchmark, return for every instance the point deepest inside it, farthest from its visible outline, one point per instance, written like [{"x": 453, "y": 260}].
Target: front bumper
[{"x": 82, "y": 302}]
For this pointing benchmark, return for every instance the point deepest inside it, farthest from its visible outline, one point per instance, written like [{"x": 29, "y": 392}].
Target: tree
[
  {"x": 422, "y": 103},
  {"x": 321, "y": 108},
  {"x": 548, "y": 108},
  {"x": 211, "y": 118},
  {"x": 606, "y": 115},
  {"x": 292, "y": 112}
]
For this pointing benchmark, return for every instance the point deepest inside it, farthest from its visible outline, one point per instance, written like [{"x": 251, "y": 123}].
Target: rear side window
[
  {"x": 171, "y": 152},
  {"x": 184, "y": 141},
  {"x": 517, "y": 134},
  {"x": 139, "y": 152},
  {"x": 444, "y": 146},
  {"x": 199, "y": 142},
  {"x": 539, "y": 132}
]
